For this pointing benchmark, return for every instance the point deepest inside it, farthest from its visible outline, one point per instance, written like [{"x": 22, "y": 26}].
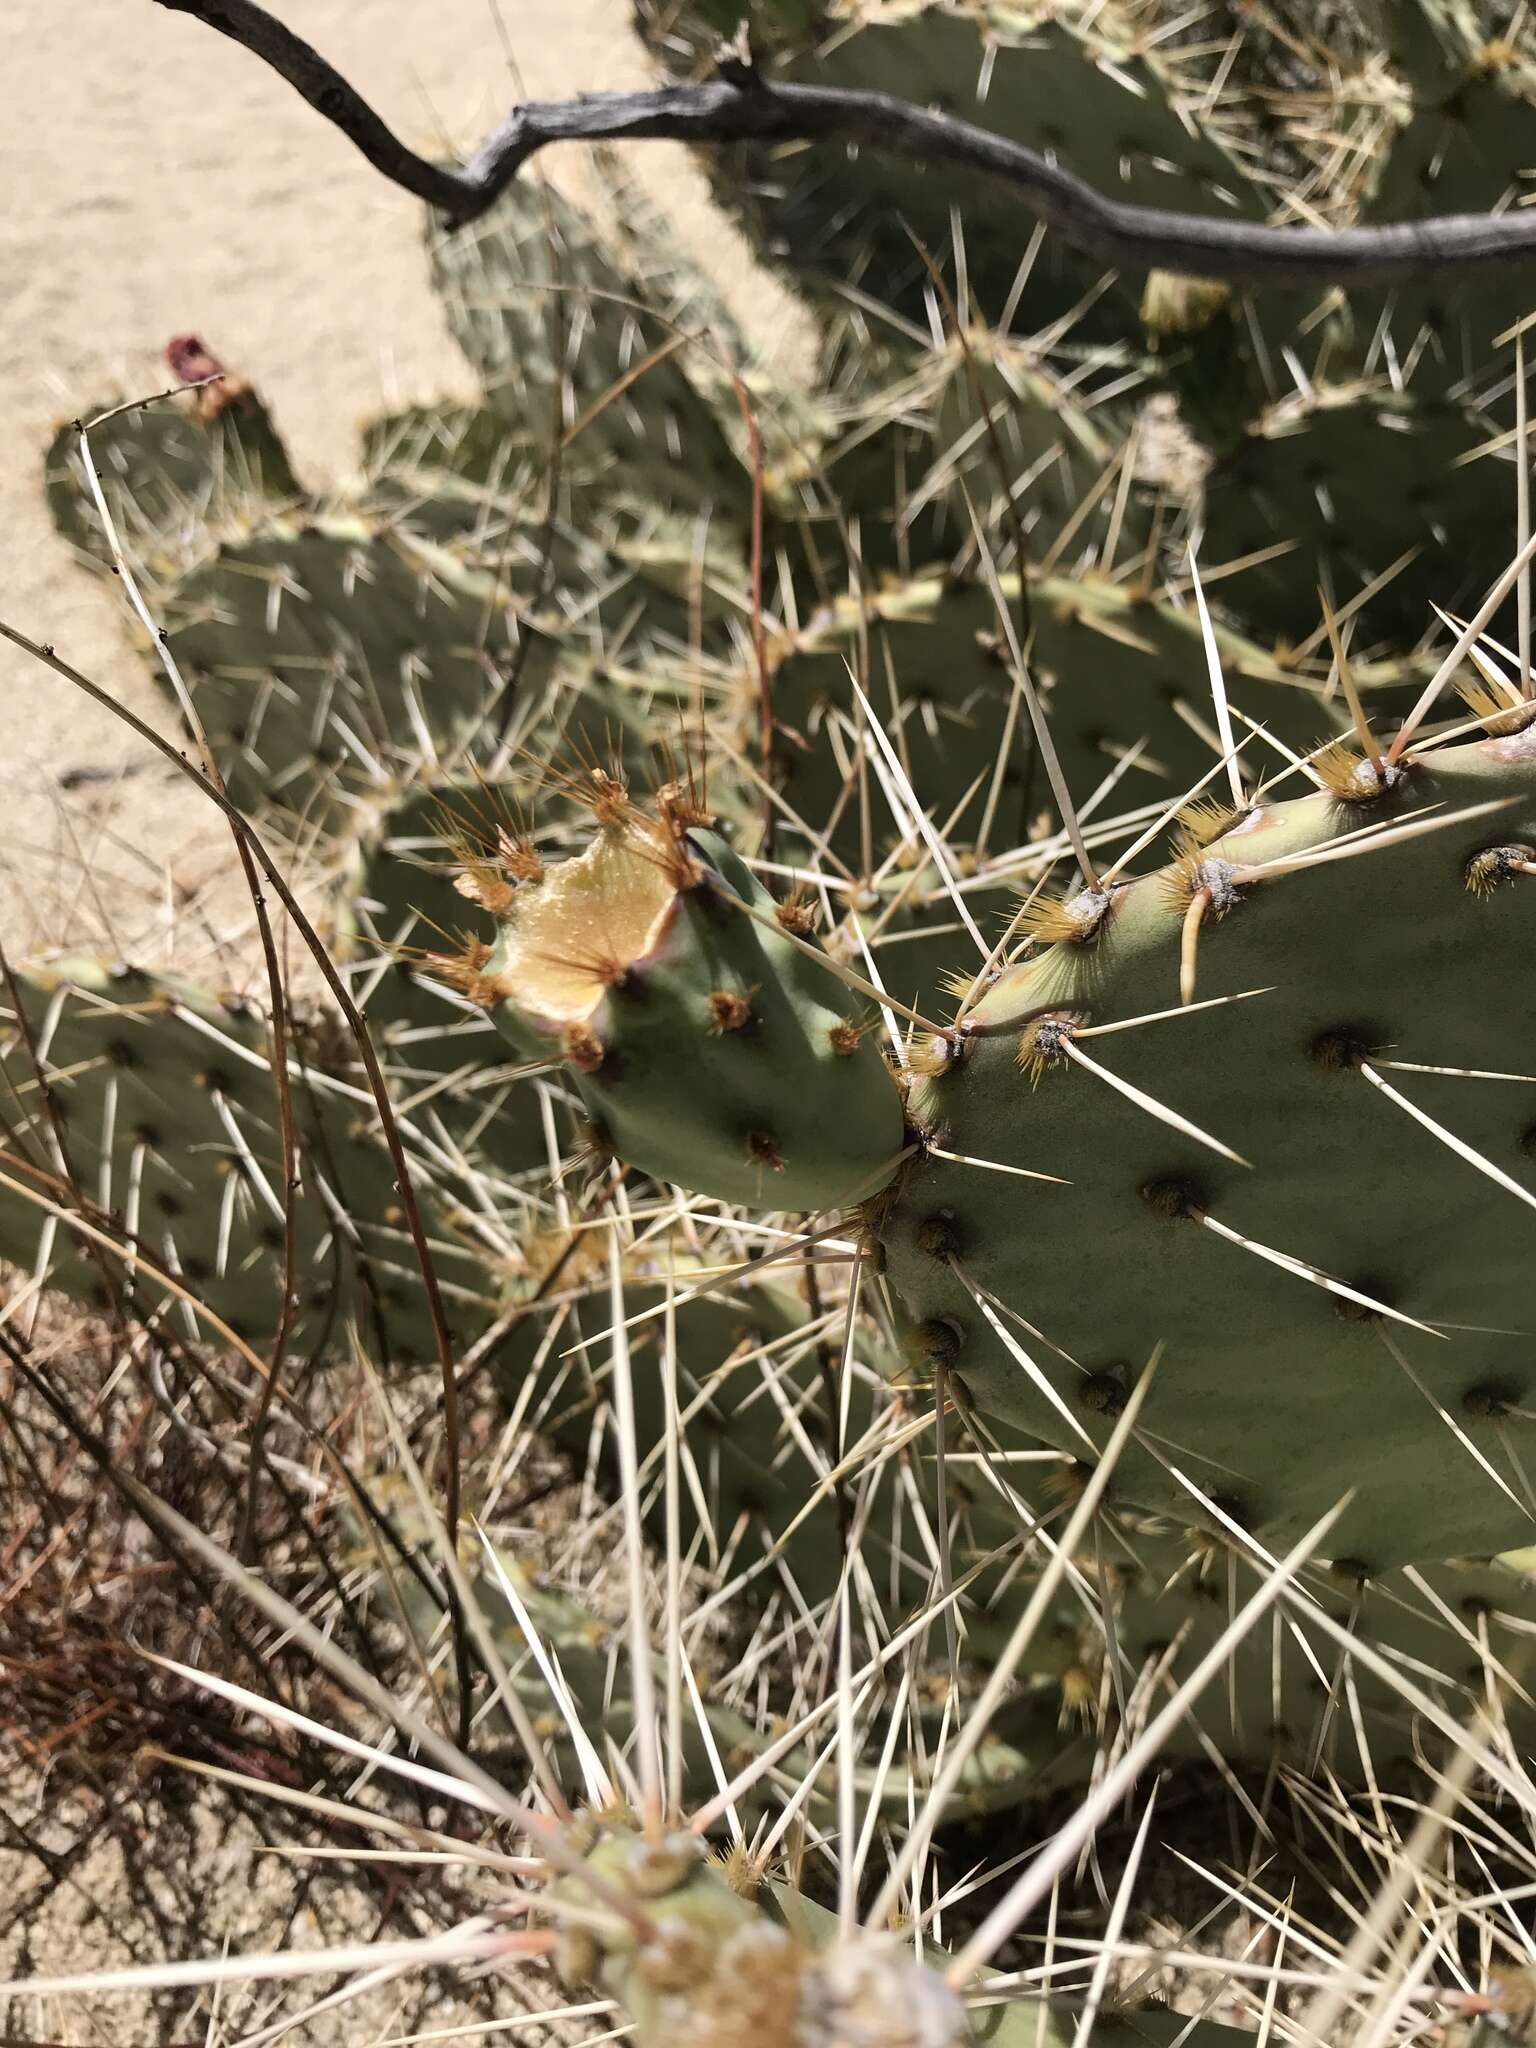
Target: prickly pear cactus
[
  {"x": 567, "y": 1662},
  {"x": 321, "y": 652},
  {"x": 919, "y": 445},
  {"x": 1269, "y": 1208},
  {"x": 397, "y": 905},
  {"x": 760, "y": 1398},
  {"x": 1359, "y": 486},
  {"x": 1149, "y": 1600},
  {"x": 1251, "y": 1081},
  {"x": 1463, "y": 144},
  {"x": 706, "y": 1966}
]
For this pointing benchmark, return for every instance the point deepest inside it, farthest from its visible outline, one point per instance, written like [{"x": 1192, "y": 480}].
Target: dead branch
[{"x": 741, "y": 105}]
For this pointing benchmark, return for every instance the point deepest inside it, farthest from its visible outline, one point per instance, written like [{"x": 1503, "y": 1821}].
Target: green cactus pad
[
  {"x": 1023, "y": 2021},
  {"x": 713, "y": 1967},
  {"x": 166, "y": 471},
  {"x": 1468, "y": 145},
  {"x": 425, "y": 446},
  {"x": 590, "y": 1654},
  {"x": 596, "y": 336},
  {"x": 758, "y": 1388},
  {"x": 1462, "y": 142},
  {"x": 1118, "y": 675},
  {"x": 1275, "y": 1393},
  {"x": 1157, "y": 1598},
  {"x": 759, "y": 1397},
  {"x": 398, "y": 905},
  {"x": 321, "y": 652},
  {"x": 396, "y": 910},
  {"x": 1356, "y": 476},
  {"x": 764, "y": 1966},
  {"x": 461, "y": 476},
  {"x": 165, "y": 1101},
  {"x": 977, "y": 425},
  {"x": 708, "y": 1048}
]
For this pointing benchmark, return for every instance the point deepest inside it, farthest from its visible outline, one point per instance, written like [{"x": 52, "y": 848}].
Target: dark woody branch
[{"x": 741, "y": 105}]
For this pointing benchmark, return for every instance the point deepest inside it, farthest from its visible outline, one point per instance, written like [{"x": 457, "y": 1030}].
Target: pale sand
[{"x": 160, "y": 179}]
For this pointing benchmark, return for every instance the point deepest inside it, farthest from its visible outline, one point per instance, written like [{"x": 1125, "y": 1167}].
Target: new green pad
[{"x": 710, "y": 1050}]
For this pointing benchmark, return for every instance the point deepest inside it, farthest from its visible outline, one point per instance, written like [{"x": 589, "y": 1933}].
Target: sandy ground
[{"x": 159, "y": 179}]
